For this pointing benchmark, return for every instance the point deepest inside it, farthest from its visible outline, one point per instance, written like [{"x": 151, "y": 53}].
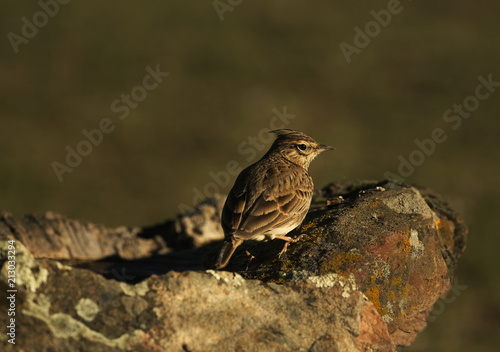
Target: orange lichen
[
  {"x": 407, "y": 244},
  {"x": 401, "y": 286},
  {"x": 445, "y": 230},
  {"x": 374, "y": 296},
  {"x": 396, "y": 280},
  {"x": 438, "y": 224},
  {"x": 308, "y": 226},
  {"x": 336, "y": 261}
]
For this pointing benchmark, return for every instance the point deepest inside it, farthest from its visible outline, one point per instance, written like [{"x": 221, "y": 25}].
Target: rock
[
  {"x": 51, "y": 235},
  {"x": 401, "y": 245},
  {"x": 191, "y": 311},
  {"x": 201, "y": 225},
  {"x": 363, "y": 278}
]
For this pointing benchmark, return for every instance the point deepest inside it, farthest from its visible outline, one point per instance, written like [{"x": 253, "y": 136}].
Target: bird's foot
[
  {"x": 283, "y": 251},
  {"x": 288, "y": 240},
  {"x": 298, "y": 238}
]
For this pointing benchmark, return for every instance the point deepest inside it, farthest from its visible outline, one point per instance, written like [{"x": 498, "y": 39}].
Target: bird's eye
[{"x": 302, "y": 146}]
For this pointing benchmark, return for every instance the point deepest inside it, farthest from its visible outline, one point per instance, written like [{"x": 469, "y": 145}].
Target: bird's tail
[{"x": 228, "y": 248}]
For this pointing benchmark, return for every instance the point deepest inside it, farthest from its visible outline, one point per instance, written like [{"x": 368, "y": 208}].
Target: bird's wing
[
  {"x": 285, "y": 200},
  {"x": 235, "y": 204}
]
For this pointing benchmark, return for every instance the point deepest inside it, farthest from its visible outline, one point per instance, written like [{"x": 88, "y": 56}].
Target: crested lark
[{"x": 271, "y": 197}]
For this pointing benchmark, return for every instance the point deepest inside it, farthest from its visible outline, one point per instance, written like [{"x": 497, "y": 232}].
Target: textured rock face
[
  {"x": 51, "y": 235},
  {"x": 363, "y": 278},
  {"x": 392, "y": 242}
]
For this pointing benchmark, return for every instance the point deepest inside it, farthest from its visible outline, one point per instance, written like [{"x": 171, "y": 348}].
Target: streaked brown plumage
[{"x": 271, "y": 197}]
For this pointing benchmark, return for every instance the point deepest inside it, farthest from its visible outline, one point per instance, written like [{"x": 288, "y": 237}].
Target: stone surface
[
  {"x": 51, "y": 235},
  {"x": 364, "y": 278},
  {"x": 401, "y": 245},
  {"x": 201, "y": 225}
]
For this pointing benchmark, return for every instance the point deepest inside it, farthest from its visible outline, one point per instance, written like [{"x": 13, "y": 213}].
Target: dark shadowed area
[{"x": 126, "y": 113}]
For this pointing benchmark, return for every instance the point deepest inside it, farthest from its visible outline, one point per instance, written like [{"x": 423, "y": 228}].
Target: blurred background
[{"x": 234, "y": 69}]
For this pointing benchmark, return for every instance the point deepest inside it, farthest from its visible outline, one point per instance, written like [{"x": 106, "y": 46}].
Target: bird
[{"x": 271, "y": 197}]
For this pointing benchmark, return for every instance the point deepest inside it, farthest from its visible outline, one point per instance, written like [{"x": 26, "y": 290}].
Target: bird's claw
[{"x": 287, "y": 243}]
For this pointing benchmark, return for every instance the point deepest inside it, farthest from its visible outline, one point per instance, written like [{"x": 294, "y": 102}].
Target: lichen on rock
[{"x": 374, "y": 259}]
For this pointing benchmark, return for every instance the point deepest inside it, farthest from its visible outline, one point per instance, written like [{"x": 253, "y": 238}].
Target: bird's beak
[{"x": 324, "y": 147}]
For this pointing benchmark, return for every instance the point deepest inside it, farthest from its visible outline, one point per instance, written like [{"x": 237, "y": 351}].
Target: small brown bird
[{"x": 271, "y": 197}]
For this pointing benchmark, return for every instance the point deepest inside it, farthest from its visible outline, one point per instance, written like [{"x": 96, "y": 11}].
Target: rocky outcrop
[
  {"x": 374, "y": 259},
  {"x": 52, "y": 235}
]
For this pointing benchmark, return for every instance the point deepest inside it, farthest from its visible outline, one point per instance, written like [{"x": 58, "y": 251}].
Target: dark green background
[{"x": 225, "y": 79}]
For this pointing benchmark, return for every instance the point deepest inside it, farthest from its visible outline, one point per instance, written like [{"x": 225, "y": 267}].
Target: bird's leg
[
  {"x": 287, "y": 240},
  {"x": 250, "y": 258},
  {"x": 283, "y": 251}
]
